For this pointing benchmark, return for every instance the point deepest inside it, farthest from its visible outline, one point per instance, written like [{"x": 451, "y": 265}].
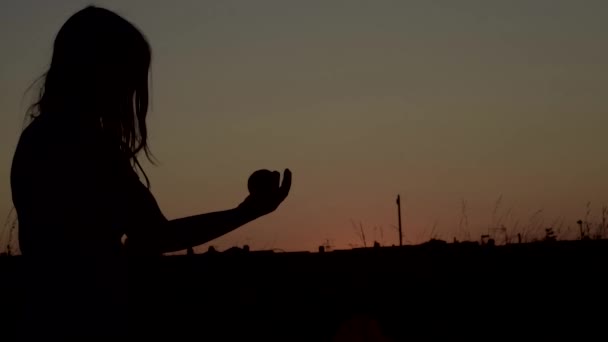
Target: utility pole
[{"x": 399, "y": 215}]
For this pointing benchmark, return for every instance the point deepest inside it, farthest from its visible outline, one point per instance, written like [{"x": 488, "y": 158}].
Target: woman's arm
[
  {"x": 182, "y": 233},
  {"x": 186, "y": 232}
]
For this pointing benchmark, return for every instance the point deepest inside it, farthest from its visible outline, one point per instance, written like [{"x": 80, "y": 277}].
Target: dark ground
[{"x": 429, "y": 291}]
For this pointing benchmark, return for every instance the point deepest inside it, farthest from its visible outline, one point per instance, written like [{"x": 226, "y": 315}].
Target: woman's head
[{"x": 99, "y": 75}]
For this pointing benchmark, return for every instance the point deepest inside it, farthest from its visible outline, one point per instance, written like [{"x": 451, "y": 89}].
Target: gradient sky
[{"x": 440, "y": 101}]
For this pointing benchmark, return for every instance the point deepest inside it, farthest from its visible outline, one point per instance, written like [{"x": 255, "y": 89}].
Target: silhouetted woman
[{"x": 74, "y": 181}]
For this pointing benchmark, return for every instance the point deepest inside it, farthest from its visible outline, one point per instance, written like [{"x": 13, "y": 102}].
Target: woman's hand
[{"x": 266, "y": 192}]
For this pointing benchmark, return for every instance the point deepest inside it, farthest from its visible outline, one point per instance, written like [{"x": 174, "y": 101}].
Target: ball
[{"x": 260, "y": 180}]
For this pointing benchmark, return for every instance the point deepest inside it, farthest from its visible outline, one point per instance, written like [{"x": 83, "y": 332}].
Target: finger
[
  {"x": 276, "y": 180},
  {"x": 286, "y": 185}
]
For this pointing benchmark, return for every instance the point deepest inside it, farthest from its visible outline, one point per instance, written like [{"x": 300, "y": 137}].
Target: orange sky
[{"x": 438, "y": 101}]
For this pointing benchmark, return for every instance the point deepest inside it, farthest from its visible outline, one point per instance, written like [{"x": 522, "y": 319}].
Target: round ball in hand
[{"x": 259, "y": 181}]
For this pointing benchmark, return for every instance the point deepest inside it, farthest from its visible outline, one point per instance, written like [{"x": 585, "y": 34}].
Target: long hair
[{"x": 98, "y": 78}]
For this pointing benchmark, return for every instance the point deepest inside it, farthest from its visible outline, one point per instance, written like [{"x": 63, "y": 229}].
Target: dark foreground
[{"x": 393, "y": 294}]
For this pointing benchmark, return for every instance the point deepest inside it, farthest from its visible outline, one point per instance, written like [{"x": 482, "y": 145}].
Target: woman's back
[{"x": 66, "y": 185}]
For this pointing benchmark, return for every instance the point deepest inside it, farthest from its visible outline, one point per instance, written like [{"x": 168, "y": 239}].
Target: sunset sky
[{"x": 439, "y": 101}]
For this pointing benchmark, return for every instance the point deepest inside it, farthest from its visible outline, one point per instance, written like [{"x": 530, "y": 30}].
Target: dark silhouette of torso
[{"x": 75, "y": 193}]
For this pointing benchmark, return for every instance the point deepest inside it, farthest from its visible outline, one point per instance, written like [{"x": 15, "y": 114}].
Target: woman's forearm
[
  {"x": 198, "y": 229},
  {"x": 182, "y": 233}
]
